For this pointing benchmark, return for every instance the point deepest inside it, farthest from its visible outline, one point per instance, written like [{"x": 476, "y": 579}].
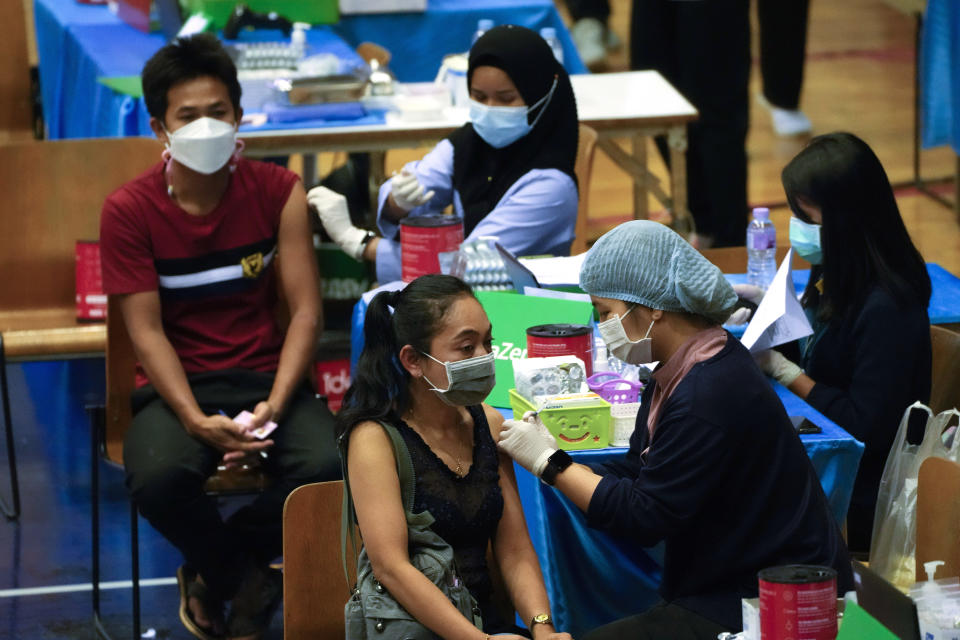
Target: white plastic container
[{"x": 623, "y": 418}]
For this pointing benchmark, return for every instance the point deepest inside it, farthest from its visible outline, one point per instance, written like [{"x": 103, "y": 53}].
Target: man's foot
[
  {"x": 590, "y": 37},
  {"x": 200, "y": 613},
  {"x": 257, "y": 598},
  {"x": 787, "y": 122}
]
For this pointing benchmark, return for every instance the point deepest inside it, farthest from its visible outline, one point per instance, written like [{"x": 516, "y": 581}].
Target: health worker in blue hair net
[{"x": 714, "y": 469}]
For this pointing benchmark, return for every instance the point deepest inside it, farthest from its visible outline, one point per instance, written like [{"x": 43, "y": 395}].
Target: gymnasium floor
[{"x": 859, "y": 77}]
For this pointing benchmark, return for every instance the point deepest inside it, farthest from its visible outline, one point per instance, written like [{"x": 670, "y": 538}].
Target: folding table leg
[
  {"x": 96, "y": 415},
  {"x": 135, "y": 569}
]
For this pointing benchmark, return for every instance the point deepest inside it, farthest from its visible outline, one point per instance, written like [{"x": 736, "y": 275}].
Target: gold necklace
[{"x": 459, "y": 470}]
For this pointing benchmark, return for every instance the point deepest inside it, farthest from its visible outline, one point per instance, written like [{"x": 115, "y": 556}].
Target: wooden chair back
[
  {"x": 53, "y": 195},
  {"x": 121, "y": 369},
  {"x": 734, "y": 259},
  {"x": 314, "y": 588},
  {"x": 586, "y": 145},
  {"x": 938, "y": 517},
  {"x": 945, "y": 376},
  {"x": 16, "y": 109}
]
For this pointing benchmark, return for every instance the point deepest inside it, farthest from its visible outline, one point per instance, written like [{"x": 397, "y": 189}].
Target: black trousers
[
  {"x": 166, "y": 469},
  {"x": 662, "y": 622},
  {"x": 702, "y": 47},
  {"x": 783, "y": 48},
  {"x": 579, "y": 9}
]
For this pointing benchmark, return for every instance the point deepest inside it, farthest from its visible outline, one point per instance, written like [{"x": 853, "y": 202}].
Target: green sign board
[
  {"x": 511, "y": 314},
  {"x": 857, "y": 624}
]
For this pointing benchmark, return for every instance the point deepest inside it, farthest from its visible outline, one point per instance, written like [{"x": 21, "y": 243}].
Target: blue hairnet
[{"x": 648, "y": 263}]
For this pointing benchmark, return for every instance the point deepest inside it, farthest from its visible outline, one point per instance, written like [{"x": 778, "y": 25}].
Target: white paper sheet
[
  {"x": 555, "y": 271},
  {"x": 779, "y": 318},
  {"x": 560, "y": 295}
]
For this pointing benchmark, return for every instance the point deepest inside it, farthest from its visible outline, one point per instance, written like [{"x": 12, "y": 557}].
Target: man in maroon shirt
[{"x": 191, "y": 248}]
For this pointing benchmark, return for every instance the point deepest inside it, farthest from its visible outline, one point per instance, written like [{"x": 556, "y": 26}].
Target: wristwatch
[
  {"x": 556, "y": 463},
  {"x": 541, "y": 618},
  {"x": 370, "y": 235}
]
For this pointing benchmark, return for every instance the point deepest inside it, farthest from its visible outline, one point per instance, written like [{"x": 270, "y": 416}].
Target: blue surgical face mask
[
  {"x": 805, "y": 240},
  {"x": 502, "y": 126}
]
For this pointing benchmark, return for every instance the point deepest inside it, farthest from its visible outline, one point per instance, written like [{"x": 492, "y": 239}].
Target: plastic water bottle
[
  {"x": 483, "y": 26},
  {"x": 550, "y": 35},
  {"x": 761, "y": 249},
  {"x": 298, "y": 39}
]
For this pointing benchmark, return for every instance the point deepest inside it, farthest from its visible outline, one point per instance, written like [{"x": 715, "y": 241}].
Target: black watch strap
[
  {"x": 556, "y": 463},
  {"x": 367, "y": 238}
]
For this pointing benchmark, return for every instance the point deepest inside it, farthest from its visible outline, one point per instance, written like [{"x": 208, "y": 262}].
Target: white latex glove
[
  {"x": 528, "y": 442},
  {"x": 775, "y": 364},
  {"x": 747, "y": 292},
  {"x": 407, "y": 192},
  {"x": 332, "y": 208}
]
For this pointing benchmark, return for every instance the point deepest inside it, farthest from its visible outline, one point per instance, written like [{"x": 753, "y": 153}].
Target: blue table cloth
[
  {"x": 593, "y": 578},
  {"x": 940, "y": 74},
  {"x": 78, "y": 43},
  {"x": 418, "y": 41}
]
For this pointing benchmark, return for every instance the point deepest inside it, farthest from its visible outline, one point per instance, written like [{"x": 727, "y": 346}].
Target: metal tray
[{"x": 323, "y": 89}]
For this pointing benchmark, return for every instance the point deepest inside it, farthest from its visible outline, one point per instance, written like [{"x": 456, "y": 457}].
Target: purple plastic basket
[
  {"x": 619, "y": 391},
  {"x": 597, "y": 380}
]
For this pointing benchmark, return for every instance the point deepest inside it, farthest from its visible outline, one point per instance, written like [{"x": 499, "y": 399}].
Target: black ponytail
[{"x": 379, "y": 390}]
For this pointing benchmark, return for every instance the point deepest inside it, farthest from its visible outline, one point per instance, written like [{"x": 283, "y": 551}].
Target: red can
[
  {"x": 798, "y": 602},
  {"x": 91, "y": 301},
  {"x": 422, "y": 239},
  {"x": 546, "y": 340}
]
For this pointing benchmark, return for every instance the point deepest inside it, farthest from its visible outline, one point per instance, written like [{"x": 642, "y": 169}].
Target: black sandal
[
  {"x": 190, "y": 587},
  {"x": 257, "y": 598}
]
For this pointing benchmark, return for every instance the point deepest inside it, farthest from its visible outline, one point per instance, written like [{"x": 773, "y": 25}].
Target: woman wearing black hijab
[{"x": 508, "y": 172}]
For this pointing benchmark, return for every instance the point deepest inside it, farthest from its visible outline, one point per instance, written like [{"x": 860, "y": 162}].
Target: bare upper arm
[
  {"x": 375, "y": 489},
  {"x": 511, "y": 533},
  {"x": 141, "y": 314},
  {"x": 295, "y": 254},
  {"x": 494, "y": 420}
]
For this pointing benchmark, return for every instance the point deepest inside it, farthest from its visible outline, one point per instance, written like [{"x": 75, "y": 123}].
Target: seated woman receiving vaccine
[
  {"x": 508, "y": 172},
  {"x": 424, "y": 372}
]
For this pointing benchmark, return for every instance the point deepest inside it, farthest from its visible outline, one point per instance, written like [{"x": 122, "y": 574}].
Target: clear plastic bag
[{"x": 895, "y": 521}]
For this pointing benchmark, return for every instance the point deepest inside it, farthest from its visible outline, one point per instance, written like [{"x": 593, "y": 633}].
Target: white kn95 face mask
[{"x": 204, "y": 145}]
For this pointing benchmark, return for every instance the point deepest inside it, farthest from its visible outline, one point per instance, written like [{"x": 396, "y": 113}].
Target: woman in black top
[
  {"x": 869, "y": 356},
  {"x": 426, "y": 369}
]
